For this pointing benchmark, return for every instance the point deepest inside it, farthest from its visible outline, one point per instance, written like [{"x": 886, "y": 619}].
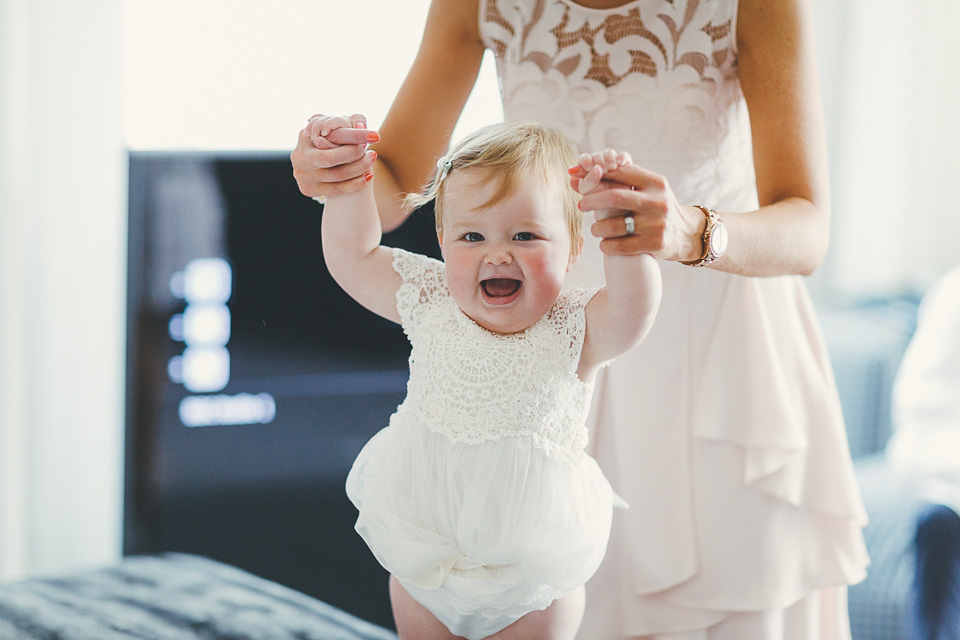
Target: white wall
[
  {"x": 62, "y": 243},
  {"x": 892, "y": 99}
]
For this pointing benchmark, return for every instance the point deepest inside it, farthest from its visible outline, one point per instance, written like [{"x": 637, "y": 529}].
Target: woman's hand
[
  {"x": 661, "y": 226},
  {"x": 331, "y": 156}
]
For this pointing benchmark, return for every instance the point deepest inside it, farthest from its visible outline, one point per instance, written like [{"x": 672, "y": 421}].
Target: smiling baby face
[{"x": 505, "y": 260}]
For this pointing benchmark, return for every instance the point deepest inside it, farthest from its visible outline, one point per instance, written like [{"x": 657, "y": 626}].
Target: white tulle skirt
[{"x": 490, "y": 531}]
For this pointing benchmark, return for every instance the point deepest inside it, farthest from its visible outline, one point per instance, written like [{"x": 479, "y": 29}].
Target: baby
[{"x": 478, "y": 497}]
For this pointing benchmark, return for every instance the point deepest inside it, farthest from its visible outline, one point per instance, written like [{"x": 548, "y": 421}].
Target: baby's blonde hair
[{"x": 510, "y": 152}]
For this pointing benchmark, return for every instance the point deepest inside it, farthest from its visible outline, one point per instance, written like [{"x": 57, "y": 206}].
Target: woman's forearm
[{"x": 785, "y": 238}]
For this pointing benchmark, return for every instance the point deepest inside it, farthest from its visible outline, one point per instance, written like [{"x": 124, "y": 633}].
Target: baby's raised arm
[
  {"x": 351, "y": 242},
  {"x": 620, "y": 315}
]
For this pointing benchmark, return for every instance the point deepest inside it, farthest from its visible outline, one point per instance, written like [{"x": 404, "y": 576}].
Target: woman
[{"x": 723, "y": 429}]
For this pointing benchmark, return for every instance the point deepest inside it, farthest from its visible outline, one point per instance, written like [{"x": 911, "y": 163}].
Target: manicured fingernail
[
  {"x": 373, "y": 137},
  {"x": 373, "y": 155},
  {"x": 367, "y": 177},
  {"x": 574, "y": 170}
]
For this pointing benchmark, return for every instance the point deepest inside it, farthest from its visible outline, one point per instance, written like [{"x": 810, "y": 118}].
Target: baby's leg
[
  {"x": 414, "y": 621},
  {"x": 560, "y": 621}
]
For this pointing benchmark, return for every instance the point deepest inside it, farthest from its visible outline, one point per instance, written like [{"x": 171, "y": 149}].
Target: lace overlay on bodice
[
  {"x": 473, "y": 385},
  {"x": 656, "y": 78}
]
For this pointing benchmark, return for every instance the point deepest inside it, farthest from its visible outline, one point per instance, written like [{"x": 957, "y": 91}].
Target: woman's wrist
[
  {"x": 696, "y": 224},
  {"x": 713, "y": 238}
]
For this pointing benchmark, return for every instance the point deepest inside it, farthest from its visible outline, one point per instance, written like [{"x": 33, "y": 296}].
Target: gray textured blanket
[{"x": 171, "y": 597}]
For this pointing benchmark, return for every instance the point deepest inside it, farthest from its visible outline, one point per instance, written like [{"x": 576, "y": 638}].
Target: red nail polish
[
  {"x": 373, "y": 137},
  {"x": 367, "y": 177},
  {"x": 574, "y": 170},
  {"x": 373, "y": 156}
]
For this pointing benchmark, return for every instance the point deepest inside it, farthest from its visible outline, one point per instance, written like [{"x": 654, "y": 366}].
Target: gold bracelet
[{"x": 715, "y": 239}]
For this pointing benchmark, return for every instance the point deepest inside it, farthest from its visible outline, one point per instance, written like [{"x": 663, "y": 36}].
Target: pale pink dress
[{"x": 723, "y": 430}]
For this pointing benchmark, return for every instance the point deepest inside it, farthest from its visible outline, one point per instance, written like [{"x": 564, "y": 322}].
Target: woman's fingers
[
  {"x": 647, "y": 237},
  {"x": 626, "y": 173},
  {"x": 342, "y": 187},
  {"x": 637, "y": 177},
  {"x": 325, "y": 152},
  {"x": 318, "y": 171},
  {"x": 353, "y": 136},
  {"x": 340, "y": 129},
  {"x": 343, "y": 163},
  {"x": 335, "y": 180},
  {"x": 613, "y": 195}
]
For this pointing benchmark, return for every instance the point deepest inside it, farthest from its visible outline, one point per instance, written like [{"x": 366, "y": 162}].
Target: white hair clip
[{"x": 443, "y": 166}]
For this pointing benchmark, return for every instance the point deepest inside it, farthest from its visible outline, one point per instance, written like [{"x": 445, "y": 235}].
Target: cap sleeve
[
  {"x": 569, "y": 317},
  {"x": 424, "y": 284}
]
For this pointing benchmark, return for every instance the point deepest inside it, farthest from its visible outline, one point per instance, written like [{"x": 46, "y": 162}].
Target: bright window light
[{"x": 246, "y": 74}]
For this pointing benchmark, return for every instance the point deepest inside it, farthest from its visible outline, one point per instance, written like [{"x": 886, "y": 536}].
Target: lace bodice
[
  {"x": 656, "y": 78},
  {"x": 473, "y": 385}
]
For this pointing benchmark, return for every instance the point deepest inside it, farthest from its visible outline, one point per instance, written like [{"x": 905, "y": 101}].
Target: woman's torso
[
  {"x": 732, "y": 361},
  {"x": 655, "y": 78}
]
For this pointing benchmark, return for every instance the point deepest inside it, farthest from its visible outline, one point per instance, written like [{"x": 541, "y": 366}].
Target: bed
[{"x": 171, "y": 597}]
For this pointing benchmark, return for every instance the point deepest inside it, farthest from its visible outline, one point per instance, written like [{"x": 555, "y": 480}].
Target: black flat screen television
[{"x": 252, "y": 379}]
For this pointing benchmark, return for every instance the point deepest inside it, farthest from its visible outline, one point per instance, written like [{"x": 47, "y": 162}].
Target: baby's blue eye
[
  {"x": 524, "y": 236},
  {"x": 473, "y": 236}
]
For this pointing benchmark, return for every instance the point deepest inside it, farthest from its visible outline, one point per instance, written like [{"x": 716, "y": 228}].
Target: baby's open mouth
[{"x": 500, "y": 287}]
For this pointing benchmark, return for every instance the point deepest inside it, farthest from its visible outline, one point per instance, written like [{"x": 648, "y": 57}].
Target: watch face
[{"x": 718, "y": 240}]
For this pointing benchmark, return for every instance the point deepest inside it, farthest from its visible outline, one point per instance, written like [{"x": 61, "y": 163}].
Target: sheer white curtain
[
  {"x": 892, "y": 99},
  {"x": 62, "y": 256}
]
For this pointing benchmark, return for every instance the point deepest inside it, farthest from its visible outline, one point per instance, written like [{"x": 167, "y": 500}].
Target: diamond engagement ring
[{"x": 628, "y": 222}]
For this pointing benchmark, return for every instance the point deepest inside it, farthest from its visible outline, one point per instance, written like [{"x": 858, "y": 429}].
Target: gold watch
[{"x": 714, "y": 239}]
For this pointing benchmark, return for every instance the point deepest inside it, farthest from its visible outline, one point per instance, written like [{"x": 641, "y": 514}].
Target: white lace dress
[
  {"x": 478, "y": 496},
  {"x": 723, "y": 429}
]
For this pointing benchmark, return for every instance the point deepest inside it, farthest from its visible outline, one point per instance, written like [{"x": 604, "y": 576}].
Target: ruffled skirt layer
[
  {"x": 723, "y": 432},
  {"x": 499, "y": 527}
]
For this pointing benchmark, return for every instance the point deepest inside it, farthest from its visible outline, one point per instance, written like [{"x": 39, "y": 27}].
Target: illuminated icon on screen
[
  {"x": 243, "y": 408},
  {"x": 205, "y": 369},
  {"x": 204, "y": 325}
]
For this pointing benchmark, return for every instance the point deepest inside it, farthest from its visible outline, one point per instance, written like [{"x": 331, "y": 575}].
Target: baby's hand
[
  {"x": 592, "y": 168},
  {"x": 327, "y": 132}
]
